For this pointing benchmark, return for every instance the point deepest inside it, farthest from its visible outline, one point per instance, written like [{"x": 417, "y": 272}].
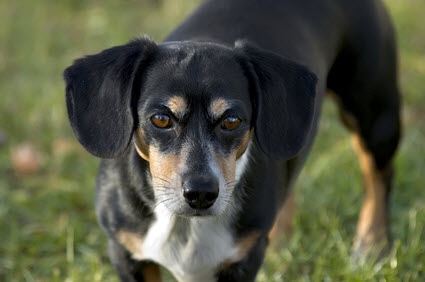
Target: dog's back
[{"x": 343, "y": 42}]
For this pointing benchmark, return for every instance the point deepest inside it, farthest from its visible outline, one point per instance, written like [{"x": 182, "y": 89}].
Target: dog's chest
[{"x": 192, "y": 251}]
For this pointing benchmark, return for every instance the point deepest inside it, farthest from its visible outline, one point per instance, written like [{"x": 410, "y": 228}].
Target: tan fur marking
[
  {"x": 242, "y": 147},
  {"x": 218, "y": 107},
  {"x": 141, "y": 147},
  {"x": 177, "y": 105},
  {"x": 227, "y": 166},
  {"x": 162, "y": 166},
  {"x": 283, "y": 226},
  {"x": 151, "y": 273},
  {"x": 244, "y": 245},
  {"x": 132, "y": 242},
  {"x": 346, "y": 118},
  {"x": 372, "y": 226}
]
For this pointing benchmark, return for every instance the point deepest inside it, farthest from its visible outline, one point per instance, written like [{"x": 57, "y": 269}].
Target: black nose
[{"x": 200, "y": 192}]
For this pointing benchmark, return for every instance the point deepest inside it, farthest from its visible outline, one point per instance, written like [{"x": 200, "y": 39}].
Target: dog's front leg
[{"x": 129, "y": 269}]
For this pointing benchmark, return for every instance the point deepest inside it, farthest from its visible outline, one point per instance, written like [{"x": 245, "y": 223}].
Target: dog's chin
[
  {"x": 189, "y": 213},
  {"x": 184, "y": 210}
]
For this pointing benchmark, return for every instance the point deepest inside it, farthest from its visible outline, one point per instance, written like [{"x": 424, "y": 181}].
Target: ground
[{"x": 48, "y": 229}]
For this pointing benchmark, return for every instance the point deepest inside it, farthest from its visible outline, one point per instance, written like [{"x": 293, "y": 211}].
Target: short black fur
[{"x": 287, "y": 54}]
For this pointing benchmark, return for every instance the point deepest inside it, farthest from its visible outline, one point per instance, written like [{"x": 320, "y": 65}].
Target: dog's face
[
  {"x": 192, "y": 109},
  {"x": 194, "y": 116}
]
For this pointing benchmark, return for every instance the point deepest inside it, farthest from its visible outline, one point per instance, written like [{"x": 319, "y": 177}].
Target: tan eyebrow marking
[
  {"x": 218, "y": 107},
  {"x": 177, "y": 105}
]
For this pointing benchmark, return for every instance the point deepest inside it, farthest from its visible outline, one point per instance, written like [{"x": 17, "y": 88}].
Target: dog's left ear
[{"x": 283, "y": 97}]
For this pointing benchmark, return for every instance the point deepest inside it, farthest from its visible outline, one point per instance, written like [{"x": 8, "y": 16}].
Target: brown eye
[
  {"x": 161, "y": 121},
  {"x": 230, "y": 123}
]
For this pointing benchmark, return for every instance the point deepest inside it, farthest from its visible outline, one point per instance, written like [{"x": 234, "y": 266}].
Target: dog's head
[{"x": 192, "y": 109}]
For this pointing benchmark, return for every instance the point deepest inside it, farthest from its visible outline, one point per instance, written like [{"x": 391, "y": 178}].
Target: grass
[{"x": 48, "y": 228}]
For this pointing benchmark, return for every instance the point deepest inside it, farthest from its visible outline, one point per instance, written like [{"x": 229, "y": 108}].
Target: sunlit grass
[{"x": 48, "y": 228}]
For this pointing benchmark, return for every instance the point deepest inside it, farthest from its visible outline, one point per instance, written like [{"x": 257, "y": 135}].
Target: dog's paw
[{"x": 370, "y": 249}]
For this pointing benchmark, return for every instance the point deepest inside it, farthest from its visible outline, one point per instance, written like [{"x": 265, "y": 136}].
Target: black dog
[{"x": 203, "y": 135}]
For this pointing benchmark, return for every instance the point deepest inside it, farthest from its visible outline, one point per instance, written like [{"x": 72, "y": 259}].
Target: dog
[{"x": 203, "y": 135}]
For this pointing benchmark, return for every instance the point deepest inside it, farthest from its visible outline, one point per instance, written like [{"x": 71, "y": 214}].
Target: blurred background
[{"x": 48, "y": 228}]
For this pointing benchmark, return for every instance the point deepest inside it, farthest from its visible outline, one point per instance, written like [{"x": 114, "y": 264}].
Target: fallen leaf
[{"x": 25, "y": 159}]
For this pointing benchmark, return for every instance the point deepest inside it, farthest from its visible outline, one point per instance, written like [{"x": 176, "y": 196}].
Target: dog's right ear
[{"x": 101, "y": 93}]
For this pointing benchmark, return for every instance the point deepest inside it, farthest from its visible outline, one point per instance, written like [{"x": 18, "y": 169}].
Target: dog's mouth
[
  {"x": 198, "y": 213},
  {"x": 179, "y": 207}
]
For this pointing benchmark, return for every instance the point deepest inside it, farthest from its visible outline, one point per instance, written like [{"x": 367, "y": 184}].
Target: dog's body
[{"x": 347, "y": 44}]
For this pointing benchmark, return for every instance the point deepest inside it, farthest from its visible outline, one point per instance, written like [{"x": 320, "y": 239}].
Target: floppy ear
[
  {"x": 284, "y": 94},
  {"x": 101, "y": 91}
]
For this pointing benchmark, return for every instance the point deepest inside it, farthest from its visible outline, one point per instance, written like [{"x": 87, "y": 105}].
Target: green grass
[{"x": 48, "y": 228}]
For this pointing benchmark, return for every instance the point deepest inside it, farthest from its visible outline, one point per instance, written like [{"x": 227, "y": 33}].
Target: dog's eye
[
  {"x": 230, "y": 123},
  {"x": 161, "y": 121}
]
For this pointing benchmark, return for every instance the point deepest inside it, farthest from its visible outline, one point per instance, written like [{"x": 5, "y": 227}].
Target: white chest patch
[{"x": 192, "y": 250}]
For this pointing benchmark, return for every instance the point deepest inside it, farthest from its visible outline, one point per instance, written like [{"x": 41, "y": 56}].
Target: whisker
[
  {"x": 161, "y": 186},
  {"x": 161, "y": 202},
  {"x": 160, "y": 178},
  {"x": 165, "y": 194}
]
